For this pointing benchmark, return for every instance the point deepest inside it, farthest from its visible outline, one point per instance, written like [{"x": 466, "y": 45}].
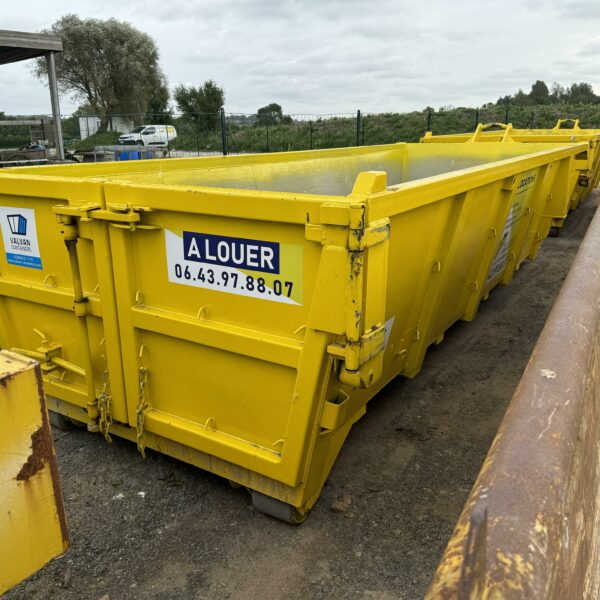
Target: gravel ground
[{"x": 161, "y": 529}]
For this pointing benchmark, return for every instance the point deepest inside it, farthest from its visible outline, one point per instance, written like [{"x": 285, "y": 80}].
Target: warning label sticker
[
  {"x": 19, "y": 234},
  {"x": 246, "y": 267},
  {"x": 515, "y": 214}
]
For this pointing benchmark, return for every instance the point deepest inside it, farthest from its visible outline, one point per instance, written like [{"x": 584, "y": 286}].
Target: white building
[{"x": 89, "y": 125}]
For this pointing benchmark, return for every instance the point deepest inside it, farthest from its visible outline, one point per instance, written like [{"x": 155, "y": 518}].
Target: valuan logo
[{"x": 17, "y": 224}]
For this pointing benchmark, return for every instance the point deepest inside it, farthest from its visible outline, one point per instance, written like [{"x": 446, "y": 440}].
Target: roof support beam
[{"x": 53, "y": 85}]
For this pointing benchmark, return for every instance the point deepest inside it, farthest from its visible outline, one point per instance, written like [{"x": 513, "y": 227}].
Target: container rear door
[{"x": 211, "y": 308}]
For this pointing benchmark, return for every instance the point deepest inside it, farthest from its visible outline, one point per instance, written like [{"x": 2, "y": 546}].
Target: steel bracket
[{"x": 360, "y": 367}]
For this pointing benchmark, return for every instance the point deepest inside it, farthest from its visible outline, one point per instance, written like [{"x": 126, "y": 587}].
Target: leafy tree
[
  {"x": 539, "y": 93},
  {"x": 582, "y": 93},
  {"x": 272, "y": 114},
  {"x": 158, "y": 110},
  {"x": 557, "y": 93},
  {"x": 200, "y": 105},
  {"x": 521, "y": 98},
  {"x": 109, "y": 64},
  {"x": 269, "y": 115}
]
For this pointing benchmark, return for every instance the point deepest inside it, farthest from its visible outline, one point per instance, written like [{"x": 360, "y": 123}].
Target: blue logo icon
[{"x": 17, "y": 224}]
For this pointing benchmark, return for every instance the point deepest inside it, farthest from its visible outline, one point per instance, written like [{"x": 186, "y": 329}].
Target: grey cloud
[
  {"x": 331, "y": 56},
  {"x": 590, "y": 49},
  {"x": 579, "y": 9}
]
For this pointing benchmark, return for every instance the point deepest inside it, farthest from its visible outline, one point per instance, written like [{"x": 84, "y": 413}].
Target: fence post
[
  {"x": 310, "y": 134},
  {"x": 223, "y": 132},
  {"x": 476, "y": 118},
  {"x": 363, "y": 130},
  {"x": 506, "y": 112},
  {"x": 267, "y": 128},
  {"x": 428, "y": 120},
  {"x": 358, "y": 127},
  {"x": 168, "y": 144}
]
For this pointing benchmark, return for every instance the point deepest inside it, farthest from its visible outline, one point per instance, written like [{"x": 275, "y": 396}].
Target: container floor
[{"x": 160, "y": 529}]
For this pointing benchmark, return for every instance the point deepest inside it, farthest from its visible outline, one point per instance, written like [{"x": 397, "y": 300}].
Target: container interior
[{"x": 324, "y": 172}]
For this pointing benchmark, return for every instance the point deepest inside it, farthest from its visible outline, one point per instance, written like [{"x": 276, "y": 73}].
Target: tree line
[{"x": 576, "y": 93}]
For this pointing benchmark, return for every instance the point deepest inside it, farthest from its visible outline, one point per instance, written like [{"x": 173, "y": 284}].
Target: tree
[
  {"x": 582, "y": 93},
  {"x": 521, "y": 98},
  {"x": 539, "y": 93},
  {"x": 557, "y": 93},
  {"x": 158, "y": 110},
  {"x": 200, "y": 105},
  {"x": 272, "y": 114},
  {"x": 108, "y": 64}
]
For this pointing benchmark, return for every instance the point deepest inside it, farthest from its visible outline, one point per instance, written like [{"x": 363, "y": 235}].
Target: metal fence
[{"x": 223, "y": 132}]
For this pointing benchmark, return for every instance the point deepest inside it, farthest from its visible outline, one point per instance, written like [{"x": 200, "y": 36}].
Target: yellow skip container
[
  {"x": 586, "y": 177},
  {"x": 239, "y": 312}
]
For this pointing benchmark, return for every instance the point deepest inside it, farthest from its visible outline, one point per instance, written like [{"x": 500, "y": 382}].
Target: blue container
[{"x": 133, "y": 154}]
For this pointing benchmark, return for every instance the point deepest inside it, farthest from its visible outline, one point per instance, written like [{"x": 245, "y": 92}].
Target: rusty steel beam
[{"x": 531, "y": 526}]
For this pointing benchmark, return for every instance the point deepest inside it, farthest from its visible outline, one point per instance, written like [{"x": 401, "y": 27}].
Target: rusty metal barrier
[{"x": 530, "y": 528}]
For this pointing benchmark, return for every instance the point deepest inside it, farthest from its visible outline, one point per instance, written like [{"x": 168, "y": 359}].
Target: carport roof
[{"x": 19, "y": 45}]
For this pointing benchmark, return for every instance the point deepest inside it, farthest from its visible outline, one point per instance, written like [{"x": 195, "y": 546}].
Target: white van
[{"x": 149, "y": 135}]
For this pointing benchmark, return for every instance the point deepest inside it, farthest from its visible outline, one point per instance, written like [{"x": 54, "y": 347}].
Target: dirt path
[{"x": 160, "y": 529}]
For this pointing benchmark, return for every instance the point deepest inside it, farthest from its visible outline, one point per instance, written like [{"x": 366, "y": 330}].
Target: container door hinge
[
  {"x": 117, "y": 215},
  {"x": 356, "y": 240},
  {"x": 376, "y": 233},
  {"x": 125, "y": 216},
  {"x": 362, "y": 360}
]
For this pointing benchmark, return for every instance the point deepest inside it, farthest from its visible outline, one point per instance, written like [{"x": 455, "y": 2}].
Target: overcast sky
[{"x": 333, "y": 56}]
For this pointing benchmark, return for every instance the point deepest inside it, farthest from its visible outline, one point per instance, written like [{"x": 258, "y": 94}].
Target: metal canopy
[{"x": 19, "y": 45}]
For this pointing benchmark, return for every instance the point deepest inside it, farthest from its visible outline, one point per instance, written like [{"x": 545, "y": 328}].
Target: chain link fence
[{"x": 88, "y": 138}]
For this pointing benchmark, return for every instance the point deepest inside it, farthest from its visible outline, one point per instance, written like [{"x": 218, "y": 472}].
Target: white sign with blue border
[{"x": 19, "y": 234}]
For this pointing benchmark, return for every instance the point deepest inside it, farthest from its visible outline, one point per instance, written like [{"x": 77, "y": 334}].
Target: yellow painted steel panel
[
  {"x": 239, "y": 312},
  {"x": 33, "y": 527}
]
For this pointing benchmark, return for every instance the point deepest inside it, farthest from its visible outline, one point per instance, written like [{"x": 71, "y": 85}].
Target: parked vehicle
[
  {"x": 149, "y": 135},
  {"x": 30, "y": 154}
]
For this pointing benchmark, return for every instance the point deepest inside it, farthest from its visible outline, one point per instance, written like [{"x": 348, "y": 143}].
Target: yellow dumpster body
[
  {"x": 239, "y": 312},
  {"x": 587, "y": 175},
  {"x": 33, "y": 528}
]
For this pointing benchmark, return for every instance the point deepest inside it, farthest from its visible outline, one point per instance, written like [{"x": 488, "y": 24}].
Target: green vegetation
[
  {"x": 106, "y": 138},
  {"x": 576, "y": 93},
  {"x": 376, "y": 129},
  {"x": 245, "y": 134},
  {"x": 108, "y": 64},
  {"x": 200, "y": 105},
  {"x": 272, "y": 114}
]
